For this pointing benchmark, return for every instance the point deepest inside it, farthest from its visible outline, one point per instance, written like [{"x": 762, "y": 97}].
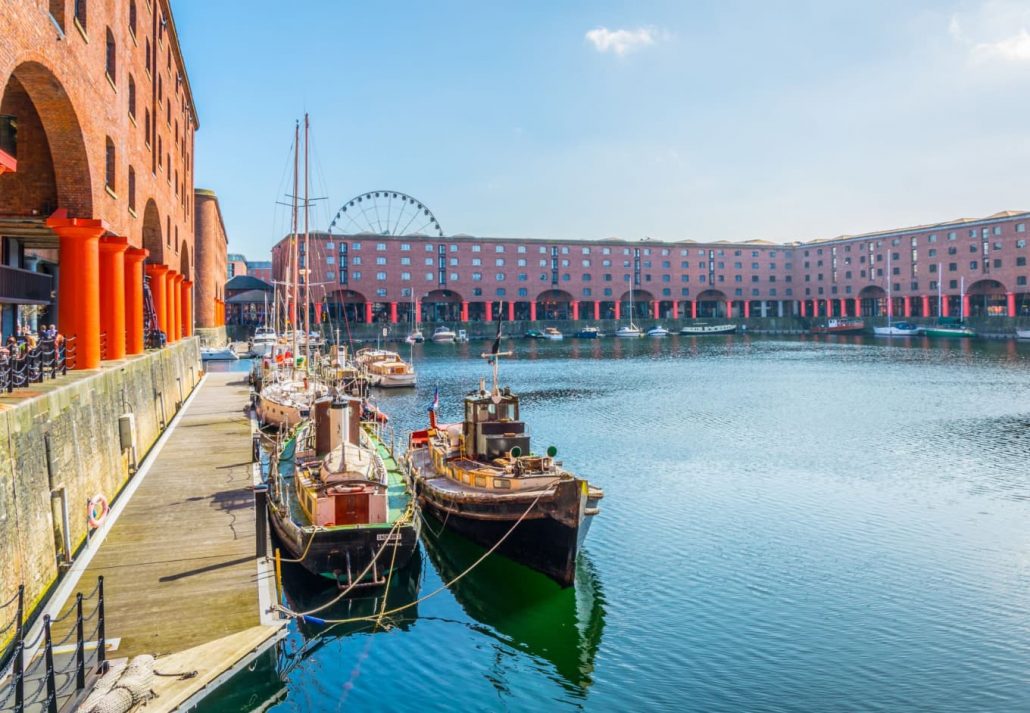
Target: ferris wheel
[{"x": 385, "y": 213}]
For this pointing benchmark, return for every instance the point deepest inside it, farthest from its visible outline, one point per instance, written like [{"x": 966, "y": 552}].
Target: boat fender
[{"x": 98, "y": 510}]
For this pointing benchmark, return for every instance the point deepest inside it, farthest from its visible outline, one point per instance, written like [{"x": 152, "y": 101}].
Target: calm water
[{"x": 788, "y": 526}]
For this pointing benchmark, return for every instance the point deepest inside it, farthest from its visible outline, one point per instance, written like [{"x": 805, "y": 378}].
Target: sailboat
[
  {"x": 416, "y": 336},
  {"x": 949, "y": 327},
  {"x": 288, "y": 388},
  {"x": 629, "y": 330},
  {"x": 894, "y": 329}
]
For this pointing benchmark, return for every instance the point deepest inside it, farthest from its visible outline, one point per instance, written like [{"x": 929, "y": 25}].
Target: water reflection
[{"x": 525, "y": 609}]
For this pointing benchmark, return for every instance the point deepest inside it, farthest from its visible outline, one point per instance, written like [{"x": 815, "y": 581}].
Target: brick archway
[
  {"x": 53, "y": 170},
  {"x": 153, "y": 240}
]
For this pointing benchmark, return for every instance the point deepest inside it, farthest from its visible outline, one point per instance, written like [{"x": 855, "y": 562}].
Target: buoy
[{"x": 98, "y": 510}]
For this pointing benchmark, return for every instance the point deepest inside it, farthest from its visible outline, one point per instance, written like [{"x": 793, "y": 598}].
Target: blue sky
[{"x": 713, "y": 120}]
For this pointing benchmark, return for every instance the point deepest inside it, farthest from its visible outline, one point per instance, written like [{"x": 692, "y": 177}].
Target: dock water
[{"x": 181, "y": 578}]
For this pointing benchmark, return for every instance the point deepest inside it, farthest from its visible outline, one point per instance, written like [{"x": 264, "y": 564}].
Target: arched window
[
  {"x": 132, "y": 97},
  {"x": 109, "y": 172},
  {"x": 132, "y": 17},
  {"x": 132, "y": 188},
  {"x": 146, "y": 127},
  {"x": 148, "y": 55},
  {"x": 80, "y": 13},
  {"x": 111, "y": 67}
]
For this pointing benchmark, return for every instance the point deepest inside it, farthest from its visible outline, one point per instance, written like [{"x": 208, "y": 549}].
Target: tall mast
[
  {"x": 940, "y": 294},
  {"x": 307, "y": 254},
  {"x": 293, "y": 237},
  {"x": 890, "y": 299}
]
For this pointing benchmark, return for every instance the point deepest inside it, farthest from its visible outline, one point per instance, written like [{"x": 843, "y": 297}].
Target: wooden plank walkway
[{"x": 179, "y": 565}]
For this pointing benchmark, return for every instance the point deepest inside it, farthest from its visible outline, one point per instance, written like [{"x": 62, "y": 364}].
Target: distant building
[
  {"x": 261, "y": 269},
  {"x": 235, "y": 264},
  {"x": 249, "y": 300},
  {"x": 977, "y": 266}
]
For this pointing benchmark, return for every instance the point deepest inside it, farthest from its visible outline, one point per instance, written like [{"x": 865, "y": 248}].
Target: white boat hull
[
  {"x": 394, "y": 381},
  {"x": 444, "y": 338},
  {"x": 895, "y": 332},
  {"x": 226, "y": 354},
  {"x": 709, "y": 329},
  {"x": 1023, "y": 334}
]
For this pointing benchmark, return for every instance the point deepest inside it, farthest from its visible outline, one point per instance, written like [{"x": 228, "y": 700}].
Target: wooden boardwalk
[{"x": 179, "y": 565}]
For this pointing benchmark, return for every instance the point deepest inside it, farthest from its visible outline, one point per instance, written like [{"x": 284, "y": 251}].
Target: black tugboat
[{"x": 481, "y": 479}]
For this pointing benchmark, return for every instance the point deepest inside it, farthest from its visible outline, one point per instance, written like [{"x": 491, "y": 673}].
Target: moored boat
[
  {"x": 658, "y": 331},
  {"x": 1023, "y": 334},
  {"x": 263, "y": 342},
  {"x": 841, "y": 325},
  {"x": 949, "y": 328},
  {"x": 588, "y": 333},
  {"x": 534, "y": 334},
  {"x": 386, "y": 369},
  {"x": 898, "y": 329},
  {"x": 342, "y": 506},
  {"x": 628, "y": 331},
  {"x": 702, "y": 328},
  {"x": 225, "y": 353},
  {"x": 444, "y": 335},
  {"x": 481, "y": 479},
  {"x": 415, "y": 337},
  {"x": 553, "y": 334}
]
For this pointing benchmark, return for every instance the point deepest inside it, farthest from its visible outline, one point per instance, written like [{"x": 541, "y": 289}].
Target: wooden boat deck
[{"x": 179, "y": 565}]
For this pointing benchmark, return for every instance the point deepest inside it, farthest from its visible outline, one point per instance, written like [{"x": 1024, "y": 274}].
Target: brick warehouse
[
  {"x": 97, "y": 126},
  {"x": 966, "y": 267}
]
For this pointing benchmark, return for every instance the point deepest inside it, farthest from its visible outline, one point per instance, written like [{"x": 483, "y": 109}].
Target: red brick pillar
[
  {"x": 368, "y": 313},
  {"x": 79, "y": 285},
  {"x": 318, "y": 312},
  {"x": 158, "y": 282},
  {"x": 908, "y": 306},
  {"x": 393, "y": 313},
  {"x": 112, "y": 294},
  {"x": 747, "y": 309},
  {"x": 177, "y": 291},
  {"x": 464, "y": 311},
  {"x": 597, "y": 309},
  {"x": 965, "y": 306},
  {"x": 134, "y": 258},
  {"x": 618, "y": 310},
  {"x": 926, "y": 305},
  {"x": 171, "y": 310},
  {"x": 693, "y": 309},
  {"x": 489, "y": 307},
  {"x": 945, "y": 307},
  {"x": 801, "y": 306},
  {"x": 858, "y": 306},
  {"x": 675, "y": 309},
  {"x": 1010, "y": 299},
  {"x": 575, "y": 309},
  {"x": 532, "y": 311},
  {"x": 729, "y": 309},
  {"x": 511, "y": 311}
]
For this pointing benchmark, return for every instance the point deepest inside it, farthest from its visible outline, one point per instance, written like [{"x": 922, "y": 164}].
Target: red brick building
[
  {"x": 98, "y": 126},
  {"x": 465, "y": 278}
]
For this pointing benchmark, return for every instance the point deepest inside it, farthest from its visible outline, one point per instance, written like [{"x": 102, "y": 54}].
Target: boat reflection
[{"x": 523, "y": 608}]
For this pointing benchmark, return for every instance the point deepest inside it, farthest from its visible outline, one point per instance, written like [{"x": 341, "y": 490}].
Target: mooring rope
[{"x": 432, "y": 594}]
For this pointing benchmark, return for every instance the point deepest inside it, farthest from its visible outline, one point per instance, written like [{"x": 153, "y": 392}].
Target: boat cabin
[{"x": 492, "y": 428}]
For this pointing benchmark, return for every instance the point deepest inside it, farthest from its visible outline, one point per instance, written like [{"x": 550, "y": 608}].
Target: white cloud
[
  {"x": 994, "y": 20},
  {"x": 622, "y": 42}
]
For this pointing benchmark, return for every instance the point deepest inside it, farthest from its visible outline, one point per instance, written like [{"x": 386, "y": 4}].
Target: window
[
  {"x": 1021, "y": 279},
  {"x": 405, "y": 276},
  {"x": 476, "y": 262},
  {"x": 586, "y": 263},
  {"x": 356, "y": 260},
  {"x": 380, "y": 260},
  {"x": 499, "y": 262},
  {"x": 429, "y": 248},
  {"x": 405, "y": 261},
  {"x": 109, "y": 172},
  {"x": 329, "y": 245},
  {"x": 429, "y": 261},
  {"x": 330, "y": 275},
  {"x": 522, "y": 249},
  {"x": 380, "y": 246},
  {"x": 429, "y": 277},
  {"x": 973, "y": 264},
  {"x": 454, "y": 262},
  {"x": 476, "y": 248},
  {"x": 1020, "y": 227},
  {"x": 997, "y": 230},
  {"x": 523, "y": 292},
  {"x": 405, "y": 247},
  {"x": 454, "y": 248},
  {"x": 80, "y": 13},
  {"x": 111, "y": 68},
  {"x": 499, "y": 249},
  {"x": 501, "y": 292},
  {"x": 330, "y": 260},
  {"x": 380, "y": 292},
  {"x": 381, "y": 276},
  {"x": 499, "y": 276},
  {"x": 454, "y": 277},
  {"x": 132, "y": 17},
  {"x": 132, "y": 189},
  {"x": 132, "y": 97},
  {"x": 477, "y": 276}
]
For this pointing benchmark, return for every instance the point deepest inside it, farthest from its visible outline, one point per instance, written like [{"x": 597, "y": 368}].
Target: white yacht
[
  {"x": 444, "y": 335},
  {"x": 630, "y": 330},
  {"x": 658, "y": 331}
]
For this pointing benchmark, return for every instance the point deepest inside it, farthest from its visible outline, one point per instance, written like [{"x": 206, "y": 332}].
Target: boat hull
[
  {"x": 547, "y": 540},
  {"x": 272, "y": 414},
  {"x": 717, "y": 329},
  {"x": 342, "y": 554},
  {"x": 945, "y": 333},
  {"x": 394, "y": 381},
  {"x": 1023, "y": 335},
  {"x": 895, "y": 332}
]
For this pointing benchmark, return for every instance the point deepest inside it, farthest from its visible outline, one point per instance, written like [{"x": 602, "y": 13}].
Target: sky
[{"x": 720, "y": 120}]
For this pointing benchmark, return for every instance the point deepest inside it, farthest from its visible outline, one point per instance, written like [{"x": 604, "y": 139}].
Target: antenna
[{"x": 494, "y": 358}]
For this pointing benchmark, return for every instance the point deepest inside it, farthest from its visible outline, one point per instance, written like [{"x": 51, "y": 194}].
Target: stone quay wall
[{"x": 68, "y": 438}]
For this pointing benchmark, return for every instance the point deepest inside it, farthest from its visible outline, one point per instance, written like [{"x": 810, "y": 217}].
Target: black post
[
  {"x": 101, "y": 638},
  {"x": 19, "y": 676},
  {"x": 51, "y": 682},
  {"x": 80, "y": 646},
  {"x": 261, "y": 519},
  {"x": 21, "y": 613}
]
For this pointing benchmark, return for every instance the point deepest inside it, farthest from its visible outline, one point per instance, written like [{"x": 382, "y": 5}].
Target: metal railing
[
  {"x": 51, "y": 681},
  {"x": 22, "y": 366}
]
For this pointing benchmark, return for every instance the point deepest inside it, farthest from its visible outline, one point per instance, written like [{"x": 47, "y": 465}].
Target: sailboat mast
[
  {"x": 890, "y": 299},
  {"x": 293, "y": 238},
  {"x": 307, "y": 254}
]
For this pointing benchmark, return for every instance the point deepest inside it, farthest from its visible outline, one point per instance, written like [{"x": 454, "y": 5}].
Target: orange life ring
[{"x": 98, "y": 510}]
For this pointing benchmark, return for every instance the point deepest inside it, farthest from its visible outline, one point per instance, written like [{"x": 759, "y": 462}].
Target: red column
[
  {"x": 829, "y": 307},
  {"x": 597, "y": 309},
  {"x": 318, "y": 312},
  {"x": 112, "y": 294},
  {"x": 618, "y": 310},
  {"x": 729, "y": 308},
  {"x": 747, "y": 309},
  {"x": 368, "y": 313},
  {"x": 464, "y": 311},
  {"x": 926, "y": 305},
  {"x": 1010, "y": 298},
  {"x": 843, "y": 307},
  {"x": 393, "y": 313},
  {"x": 532, "y": 311},
  {"x": 945, "y": 307},
  {"x": 79, "y": 285},
  {"x": 890, "y": 306},
  {"x": 801, "y": 305},
  {"x": 134, "y": 258},
  {"x": 511, "y": 311},
  {"x": 575, "y": 309},
  {"x": 157, "y": 274},
  {"x": 170, "y": 308},
  {"x": 965, "y": 306},
  {"x": 675, "y": 309},
  {"x": 187, "y": 308},
  {"x": 693, "y": 309},
  {"x": 417, "y": 317},
  {"x": 488, "y": 312},
  {"x": 177, "y": 291}
]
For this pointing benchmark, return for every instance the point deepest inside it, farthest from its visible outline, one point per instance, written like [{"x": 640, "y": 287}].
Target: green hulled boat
[
  {"x": 341, "y": 506},
  {"x": 949, "y": 329}
]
